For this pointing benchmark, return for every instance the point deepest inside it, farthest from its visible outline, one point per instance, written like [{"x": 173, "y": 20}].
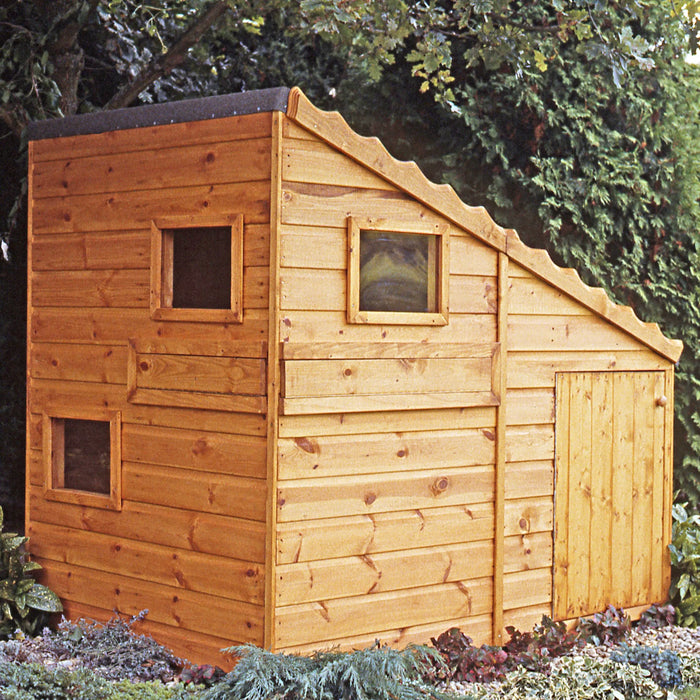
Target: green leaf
[{"x": 42, "y": 598}]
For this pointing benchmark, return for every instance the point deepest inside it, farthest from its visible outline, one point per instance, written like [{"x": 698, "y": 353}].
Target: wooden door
[{"x": 612, "y": 472}]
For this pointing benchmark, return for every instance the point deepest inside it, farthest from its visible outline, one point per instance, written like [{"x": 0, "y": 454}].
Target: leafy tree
[{"x": 575, "y": 121}]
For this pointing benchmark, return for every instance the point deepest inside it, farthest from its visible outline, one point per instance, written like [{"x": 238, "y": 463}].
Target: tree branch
[
  {"x": 165, "y": 63},
  {"x": 10, "y": 118}
]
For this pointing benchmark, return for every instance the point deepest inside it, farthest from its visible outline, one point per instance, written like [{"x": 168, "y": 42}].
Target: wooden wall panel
[{"x": 194, "y": 481}]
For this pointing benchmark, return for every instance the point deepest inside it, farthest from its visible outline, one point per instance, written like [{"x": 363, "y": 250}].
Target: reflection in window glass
[{"x": 398, "y": 272}]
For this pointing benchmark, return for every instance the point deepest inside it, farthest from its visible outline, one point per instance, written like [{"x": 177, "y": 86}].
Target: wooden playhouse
[{"x": 284, "y": 390}]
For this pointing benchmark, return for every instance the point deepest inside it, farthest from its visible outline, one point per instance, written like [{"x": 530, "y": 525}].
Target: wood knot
[
  {"x": 440, "y": 485},
  {"x": 347, "y": 372},
  {"x": 144, "y": 366},
  {"x": 661, "y": 401},
  {"x": 307, "y": 445},
  {"x": 370, "y": 498},
  {"x": 523, "y": 524}
]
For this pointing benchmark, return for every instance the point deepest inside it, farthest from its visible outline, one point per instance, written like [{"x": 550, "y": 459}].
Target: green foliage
[
  {"x": 685, "y": 566},
  {"x": 36, "y": 682},
  {"x": 607, "y": 628},
  {"x": 376, "y": 673},
  {"x": 580, "y": 677},
  {"x": 24, "y": 603}
]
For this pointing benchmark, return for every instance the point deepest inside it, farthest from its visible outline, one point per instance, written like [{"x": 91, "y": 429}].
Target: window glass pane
[
  {"x": 202, "y": 267},
  {"x": 86, "y": 459},
  {"x": 398, "y": 272}
]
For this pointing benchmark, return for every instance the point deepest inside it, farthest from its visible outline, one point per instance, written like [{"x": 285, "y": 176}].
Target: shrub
[
  {"x": 36, "y": 682},
  {"x": 685, "y": 566},
  {"x": 607, "y": 628},
  {"x": 656, "y": 616},
  {"x": 377, "y": 673},
  {"x": 664, "y": 666},
  {"x": 24, "y": 603},
  {"x": 112, "y": 650}
]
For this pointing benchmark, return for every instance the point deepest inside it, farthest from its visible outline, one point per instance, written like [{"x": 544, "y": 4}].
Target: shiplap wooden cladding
[{"x": 295, "y": 471}]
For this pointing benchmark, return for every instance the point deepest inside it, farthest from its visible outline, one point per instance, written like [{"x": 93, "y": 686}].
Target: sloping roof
[
  {"x": 371, "y": 154},
  {"x": 407, "y": 176},
  {"x": 200, "y": 109}
]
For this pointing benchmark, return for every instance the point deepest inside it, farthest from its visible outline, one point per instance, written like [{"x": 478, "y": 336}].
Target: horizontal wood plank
[
  {"x": 114, "y": 326},
  {"x": 129, "y": 210},
  {"x": 202, "y": 451},
  {"x": 527, "y": 515},
  {"x": 198, "y": 373},
  {"x": 341, "y": 350},
  {"x": 225, "y": 536},
  {"x": 527, "y": 588},
  {"x": 330, "y": 205},
  {"x": 179, "y": 568},
  {"x": 312, "y": 457},
  {"x": 87, "y": 288},
  {"x": 207, "y": 614},
  {"x": 76, "y": 362},
  {"x": 203, "y": 492},
  {"x": 370, "y": 574},
  {"x": 332, "y": 619},
  {"x": 530, "y": 406},
  {"x": 331, "y": 326},
  {"x": 526, "y": 552},
  {"x": 528, "y": 443},
  {"x": 321, "y": 378},
  {"x": 312, "y": 161},
  {"x": 392, "y": 421},
  {"x": 566, "y": 333},
  {"x": 316, "y": 247},
  {"x": 382, "y": 532},
  {"x": 529, "y": 479},
  {"x": 478, "y": 627},
  {"x": 529, "y": 295},
  {"x": 236, "y": 128},
  {"x": 531, "y": 369},
  {"x": 179, "y": 165},
  {"x": 310, "y": 499}
]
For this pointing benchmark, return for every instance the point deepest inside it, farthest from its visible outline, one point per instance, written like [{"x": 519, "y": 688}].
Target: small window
[
  {"x": 83, "y": 459},
  {"x": 397, "y": 275},
  {"x": 197, "y": 270}
]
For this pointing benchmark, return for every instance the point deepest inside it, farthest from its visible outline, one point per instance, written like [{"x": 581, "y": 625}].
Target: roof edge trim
[
  {"x": 199, "y": 109},
  {"x": 407, "y": 176}
]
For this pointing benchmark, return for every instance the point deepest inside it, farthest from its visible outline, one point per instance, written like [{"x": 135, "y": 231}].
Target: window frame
[
  {"x": 161, "y": 292},
  {"x": 54, "y": 458},
  {"x": 355, "y": 315}
]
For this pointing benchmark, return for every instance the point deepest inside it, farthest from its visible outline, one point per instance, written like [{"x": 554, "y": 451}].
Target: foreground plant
[
  {"x": 24, "y": 603},
  {"x": 685, "y": 566},
  {"x": 376, "y": 673}
]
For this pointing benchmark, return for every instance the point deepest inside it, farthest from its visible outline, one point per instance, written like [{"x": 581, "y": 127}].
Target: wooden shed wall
[
  {"x": 189, "y": 542},
  {"x": 385, "y": 518},
  {"x": 550, "y": 333}
]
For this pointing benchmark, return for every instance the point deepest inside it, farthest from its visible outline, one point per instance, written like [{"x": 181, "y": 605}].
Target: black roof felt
[{"x": 203, "y": 108}]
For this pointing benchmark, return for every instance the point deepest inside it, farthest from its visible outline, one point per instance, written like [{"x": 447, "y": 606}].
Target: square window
[
  {"x": 201, "y": 267},
  {"x": 397, "y": 275},
  {"x": 197, "y": 269},
  {"x": 86, "y": 455},
  {"x": 83, "y": 459}
]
